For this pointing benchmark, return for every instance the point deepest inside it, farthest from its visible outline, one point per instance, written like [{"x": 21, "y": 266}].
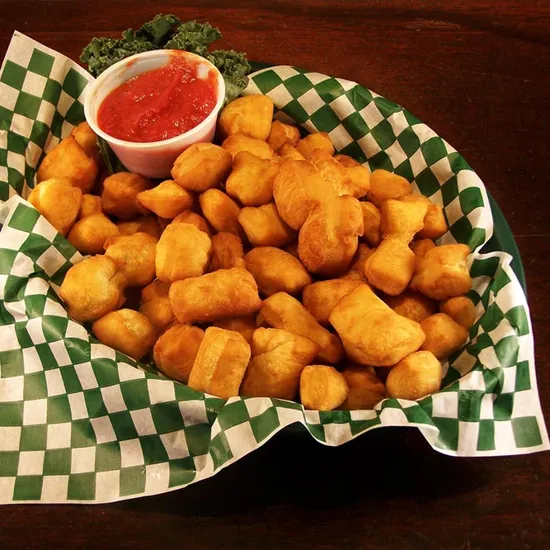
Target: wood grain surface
[{"x": 478, "y": 73}]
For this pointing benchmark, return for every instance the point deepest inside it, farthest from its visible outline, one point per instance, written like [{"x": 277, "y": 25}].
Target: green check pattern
[{"x": 80, "y": 422}]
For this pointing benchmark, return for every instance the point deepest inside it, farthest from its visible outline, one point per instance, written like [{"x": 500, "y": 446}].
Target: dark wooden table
[{"x": 478, "y": 73}]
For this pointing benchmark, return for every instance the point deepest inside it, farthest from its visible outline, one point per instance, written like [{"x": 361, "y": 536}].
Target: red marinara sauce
[{"x": 159, "y": 104}]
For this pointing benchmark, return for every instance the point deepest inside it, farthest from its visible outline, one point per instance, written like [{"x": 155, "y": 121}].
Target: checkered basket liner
[{"x": 80, "y": 422}]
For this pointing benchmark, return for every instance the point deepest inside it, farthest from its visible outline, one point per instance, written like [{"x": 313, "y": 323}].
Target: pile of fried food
[{"x": 267, "y": 266}]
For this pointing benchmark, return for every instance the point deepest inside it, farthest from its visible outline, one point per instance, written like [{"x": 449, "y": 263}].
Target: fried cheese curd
[
  {"x": 188, "y": 216},
  {"x": 264, "y": 226},
  {"x": 166, "y": 200},
  {"x": 322, "y": 388},
  {"x": 221, "y": 212},
  {"x": 282, "y": 134},
  {"x": 90, "y": 233},
  {"x": 120, "y": 195},
  {"x": 444, "y": 336},
  {"x": 461, "y": 309},
  {"x": 312, "y": 142},
  {"x": 236, "y": 143},
  {"x": 227, "y": 251},
  {"x": 250, "y": 116},
  {"x": 143, "y": 224},
  {"x": 415, "y": 376},
  {"x": 90, "y": 204},
  {"x": 244, "y": 325},
  {"x": 365, "y": 389},
  {"x": 155, "y": 304}
]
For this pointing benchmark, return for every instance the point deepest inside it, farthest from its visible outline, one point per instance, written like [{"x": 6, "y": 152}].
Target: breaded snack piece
[
  {"x": 93, "y": 288},
  {"x": 278, "y": 359},
  {"x": 297, "y": 189},
  {"x": 414, "y": 377},
  {"x": 68, "y": 160},
  {"x": 58, "y": 201},
  {"x": 236, "y": 143},
  {"x": 276, "y": 270},
  {"x": 282, "y": 134},
  {"x": 372, "y": 333},
  {"x": 402, "y": 219},
  {"x": 332, "y": 172},
  {"x": 202, "y": 166},
  {"x": 321, "y": 297},
  {"x": 176, "y": 350},
  {"x": 372, "y": 234},
  {"x": 250, "y": 115},
  {"x": 322, "y": 388},
  {"x": 391, "y": 267},
  {"x": 443, "y": 272},
  {"x": 319, "y": 140},
  {"x": 385, "y": 185},
  {"x": 127, "y": 331},
  {"x": 227, "y": 251},
  {"x": 155, "y": 304},
  {"x": 182, "y": 251},
  {"x": 87, "y": 139},
  {"x": 188, "y": 216},
  {"x": 89, "y": 233},
  {"x": 420, "y": 248},
  {"x": 220, "y": 211},
  {"x": 244, "y": 325},
  {"x": 144, "y": 224},
  {"x": 359, "y": 175},
  {"x": 461, "y": 309},
  {"x": 412, "y": 305},
  {"x": 220, "y": 363},
  {"x": 285, "y": 312},
  {"x": 251, "y": 181},
  {"x": 166, "y": 200},
  {"x": 264, "y": 226},
  {"x": 435, "y": 224},
  {"x": 288, "y": 151},
  {"x": 365, "y": 388},
  {"x": 357, "y": 268},
  {"x": 219, "y": 295},
  {"x": 90, "y": 204},
  {"x": 329, "y": 239},
  {"x": 119, "y": 196},
  {"x": 134, "y": 256},
  {"x": 444, "y": 336}
]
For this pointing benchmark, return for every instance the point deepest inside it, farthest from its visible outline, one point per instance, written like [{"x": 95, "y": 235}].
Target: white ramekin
[{"x": 153, "y": 159}]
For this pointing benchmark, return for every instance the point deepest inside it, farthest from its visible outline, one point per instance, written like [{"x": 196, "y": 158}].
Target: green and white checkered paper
[{"x": 80, "y": 422}]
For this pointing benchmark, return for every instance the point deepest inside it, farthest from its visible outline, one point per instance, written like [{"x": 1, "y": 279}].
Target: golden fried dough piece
[
  {"x": 297, "y": 189},
  {"x": 89, "y": 233},
  {"x": 68, "y": 160},
  {"x": 328, "y": 239},
  {"x": 127, "y": 331},
  {"x": 435, "y": 224},
  {"x": 321, "y": 297},
  {"x": 87, "y": 139},
  {"x": 244, "y": 325},
  {"x": 460, "y": 309},
  {"x": 120, "y": 192},
  {"x": 92, "y": 288},
  {"x": 250, "y": 115},
  {"x": 227, "y": 251},
  {"x": 332, "y": 172},
  {"x": 175, "y": 351},
  {"x": 58, "y": 201},
  {"x": 357, "y": 268},
  {"x": 365, "y": 388},
  {"x": 278, "y": 359},
  {"x": 220, "y": 211},
  {"x": 236, "y": 143},
  {"x": 220, "y": 363},
  {"x": 182, "y": 251},
  {"x": 218, "y": 295},
  {"x": 202, "y": 166},
  {"x": 319, "y": 140},
  {"x": 282, "y": 134},
  {"x": 391, "y": 267},
  {"x": 276, "y": 270},
  {"x": 359, "y": 175},
  {"x": 420, "y": 247},
  {"x": 372, "y": 333},
  {"x": 285, "y": 312},
  {"x": 155, "y": 304},
  {"x": 443, "y": 335},
  {"x": 188, "y": 216},
  {"x": 290, "y": 152},
  {"x": 251, "y": 181},
  {"x": 264, "y": 226},
  {"x": 385, "y": 185},
  {"x": 166, "y": 200},
  {"x": 322, "y": 388},
  {"x": 144, "y": 224},
  {"x": 134, "y": 256},
  {"x": 443, "y": 272},
  {"x": 414, "y": 377},
  {"x": 371, "y": 224},
  {"x": 412, "y": 305},
  {"x": 90, "y": 204},
  {"x": 402, "y": 219}
]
